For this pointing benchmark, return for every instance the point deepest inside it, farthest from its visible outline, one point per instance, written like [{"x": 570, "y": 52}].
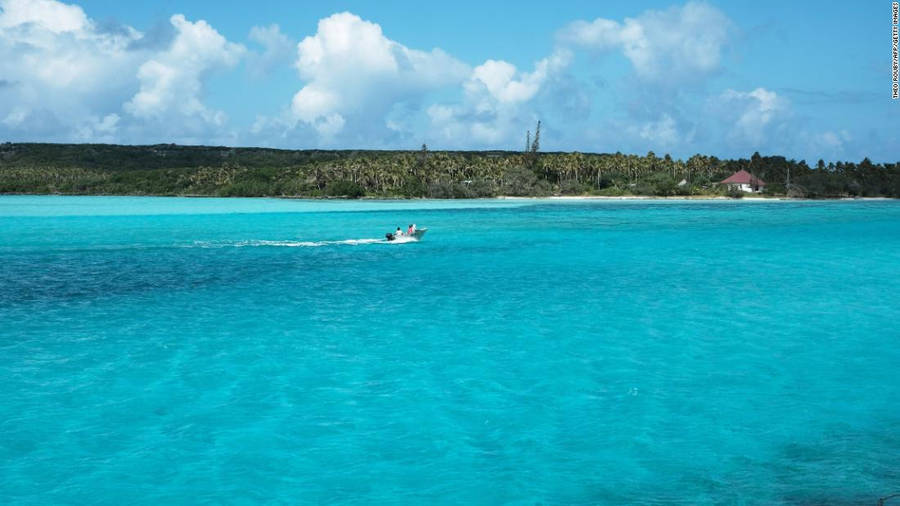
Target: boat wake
[{"x": 298, "y": 244}]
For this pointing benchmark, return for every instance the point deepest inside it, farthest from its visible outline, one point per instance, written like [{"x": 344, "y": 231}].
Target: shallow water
[{"x": 191, "y": 351}]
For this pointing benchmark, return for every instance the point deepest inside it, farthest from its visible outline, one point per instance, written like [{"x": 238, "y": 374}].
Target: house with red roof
[{"x": 745, "y": 182}]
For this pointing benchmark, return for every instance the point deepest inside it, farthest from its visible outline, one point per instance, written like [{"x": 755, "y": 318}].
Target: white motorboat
[{"x": 416, "y": 236}]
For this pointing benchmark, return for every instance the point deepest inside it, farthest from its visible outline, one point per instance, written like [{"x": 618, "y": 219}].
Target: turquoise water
[{"x": 209, "y": 351}]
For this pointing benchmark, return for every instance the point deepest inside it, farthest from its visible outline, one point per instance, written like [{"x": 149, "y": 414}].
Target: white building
[{"x": 745, "y": 182}]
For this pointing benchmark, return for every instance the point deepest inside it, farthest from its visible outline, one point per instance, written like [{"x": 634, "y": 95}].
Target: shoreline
[
  {"x": 720, "y": 198},
  {"x": 635, "y": 197}
]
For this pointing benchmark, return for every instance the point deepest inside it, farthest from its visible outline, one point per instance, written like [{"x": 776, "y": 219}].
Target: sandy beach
[{"x": 638, "y": 197}]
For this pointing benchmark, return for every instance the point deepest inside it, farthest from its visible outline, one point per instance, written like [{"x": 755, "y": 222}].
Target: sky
[{"x": 802, "y": 79}]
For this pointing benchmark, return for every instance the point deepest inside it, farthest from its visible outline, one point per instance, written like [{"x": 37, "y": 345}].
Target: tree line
[{"x": 223, "y": 171}]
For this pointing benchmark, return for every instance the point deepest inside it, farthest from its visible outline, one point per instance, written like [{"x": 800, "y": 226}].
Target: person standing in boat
[{"x": 411, "y": 230}]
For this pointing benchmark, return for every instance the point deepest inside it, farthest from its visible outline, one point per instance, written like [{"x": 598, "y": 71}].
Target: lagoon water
[{"x": 212, "y": 351}]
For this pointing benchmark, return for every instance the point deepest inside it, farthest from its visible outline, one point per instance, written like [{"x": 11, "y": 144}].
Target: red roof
[{"x": 744, "y": 177}]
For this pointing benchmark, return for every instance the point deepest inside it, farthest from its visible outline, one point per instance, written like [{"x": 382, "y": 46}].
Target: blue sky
[{"x": 803, "y": 79}]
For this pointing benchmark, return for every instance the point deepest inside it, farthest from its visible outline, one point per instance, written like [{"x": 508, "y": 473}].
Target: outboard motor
[{"x": 389, "y": 236}]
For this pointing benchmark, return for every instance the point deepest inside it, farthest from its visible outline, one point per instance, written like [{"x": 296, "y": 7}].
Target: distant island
[{"x": 168, "y": 169}]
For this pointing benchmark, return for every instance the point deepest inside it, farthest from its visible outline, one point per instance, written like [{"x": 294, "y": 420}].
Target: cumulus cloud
[
  {"x": 50, "y": 15},
  {"x": 64, "y": 70},
  {"x": 505, "y": 85},
  {"x": 498, "y": 102},
  {"x": 355, "y": 75},
  {"x": 679, "y": 43},
  {"x": 171, "y": 82},
  {"x": 730, "y": 123},
  {"x": 754, "y": 115},
  {"x": 73, "y": 79}
]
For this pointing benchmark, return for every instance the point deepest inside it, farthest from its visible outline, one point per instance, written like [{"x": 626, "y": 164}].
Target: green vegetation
[{"x": 220, "y": 171}]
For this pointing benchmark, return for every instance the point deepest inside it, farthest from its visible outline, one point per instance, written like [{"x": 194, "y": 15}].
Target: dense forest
[{"x": 221, "y": 171}]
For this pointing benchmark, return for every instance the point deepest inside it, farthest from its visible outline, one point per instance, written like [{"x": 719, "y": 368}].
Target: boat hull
[{"x": 416, "y": 236}]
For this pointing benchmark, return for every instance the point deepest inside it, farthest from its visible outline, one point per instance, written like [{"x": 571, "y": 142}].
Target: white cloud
[
  {"x": 50, "y": 15},
  {"x": 754, "y": 115},
  {"x": 172, "y": 81},
  {"x": 355, "y": 75},
  {"x": 53, "y": 45},
  {"x": 680, "y": 43},
  {"x": 505, "y": 85},
  {"x": 498, "y": 102},
  {"x": 63, "y": 71},
  {"x": 67, "y": 78}
]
